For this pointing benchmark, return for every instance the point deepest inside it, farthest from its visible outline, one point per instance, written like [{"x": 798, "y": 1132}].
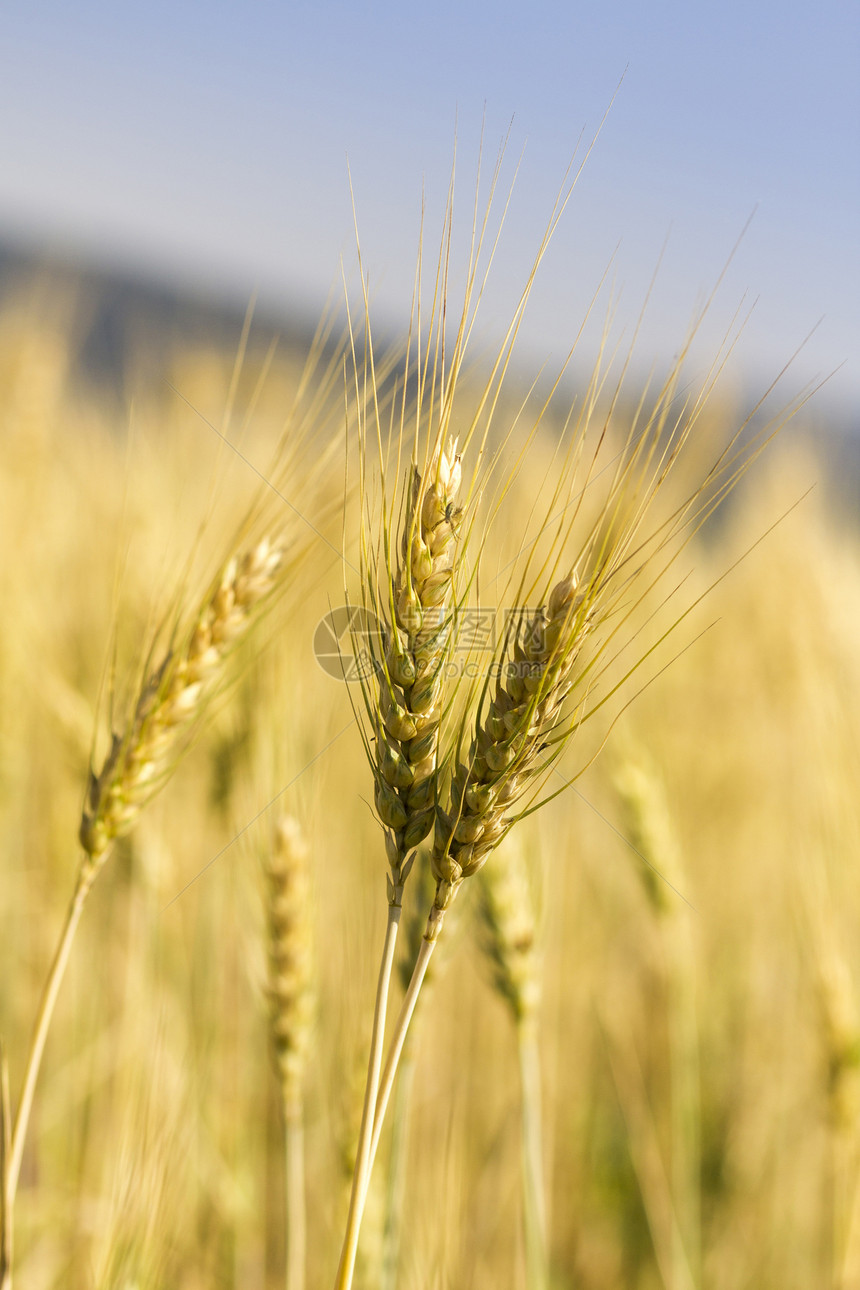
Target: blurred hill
[
  {"x": 124, "y": 327},
  {"x": 122, "y": 322}
]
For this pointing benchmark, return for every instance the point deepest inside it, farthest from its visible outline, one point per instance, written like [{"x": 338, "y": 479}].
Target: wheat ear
[
  {"x": 290, "y": 1007},
  {"x": 418, "y": 638},
  {"x": 510, "y": 744},
  {"x": 142, "y": 758}
]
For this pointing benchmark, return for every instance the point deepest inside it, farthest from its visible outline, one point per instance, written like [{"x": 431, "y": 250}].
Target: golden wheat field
[{"x": 635, "y": 1057}]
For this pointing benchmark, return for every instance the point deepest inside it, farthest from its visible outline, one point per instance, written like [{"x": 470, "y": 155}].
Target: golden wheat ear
[
  {"x": 649, "y": 827},
  {"x": 510, "y": 744},
  {"x": 290, "y": 956},
  {"x": 173, "y": 697},
  {"x": 411, "y": 691}
]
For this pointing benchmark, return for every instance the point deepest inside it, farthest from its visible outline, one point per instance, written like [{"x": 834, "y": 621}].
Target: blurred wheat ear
[
  {"x": 172, "y": 699},
  {"x": 185, "y": 668},
  {"x": 290, "y": 954},
  {"x": 508, "y": 939},
  {"x": 655, "y": 849}
]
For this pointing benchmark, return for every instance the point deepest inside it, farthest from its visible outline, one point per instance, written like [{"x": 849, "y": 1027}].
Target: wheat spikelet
[
  {"x": 290, "y": 952},
  {"x": 173, "y": 696}
]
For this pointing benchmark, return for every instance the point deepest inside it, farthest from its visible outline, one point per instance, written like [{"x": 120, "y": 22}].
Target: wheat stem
[
  {"x": 398, "y": 1039},
  {"x": 40, "y": 1032},
  {"x": 397, "y": 1171},
  {"x": 294, "y": 1179},
  {"x": 371, "y": 1125},
  {"x": 366, "y": 1149}
]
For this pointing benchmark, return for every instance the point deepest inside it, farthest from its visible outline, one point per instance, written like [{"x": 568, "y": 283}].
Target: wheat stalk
[
  {"x": 413, "y": 597},
  {"x": 411, "y": 937},
  {"x": 405, "y": 714},
  {"x": 142, "y": 758}
]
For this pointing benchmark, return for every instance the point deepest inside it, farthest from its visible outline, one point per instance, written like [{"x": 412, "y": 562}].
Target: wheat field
[{"x": 636, "y": 1060}]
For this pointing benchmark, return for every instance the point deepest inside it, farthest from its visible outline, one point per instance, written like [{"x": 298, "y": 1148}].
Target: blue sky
[{"x": 209, "y": 143}]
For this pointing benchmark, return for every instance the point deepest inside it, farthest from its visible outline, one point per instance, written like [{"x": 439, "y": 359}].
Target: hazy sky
[{"x": 210, "y": 142}]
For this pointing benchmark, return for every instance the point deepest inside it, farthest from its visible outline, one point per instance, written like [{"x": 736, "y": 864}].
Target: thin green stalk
[
  {"x": 398, "y": 1039},
  {"x": 534, "y": 1195},
  {"x": 365, "y": 1151},
  {"x": 296, "y": 1217},
  {"x": 43, "y": 1021}
]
